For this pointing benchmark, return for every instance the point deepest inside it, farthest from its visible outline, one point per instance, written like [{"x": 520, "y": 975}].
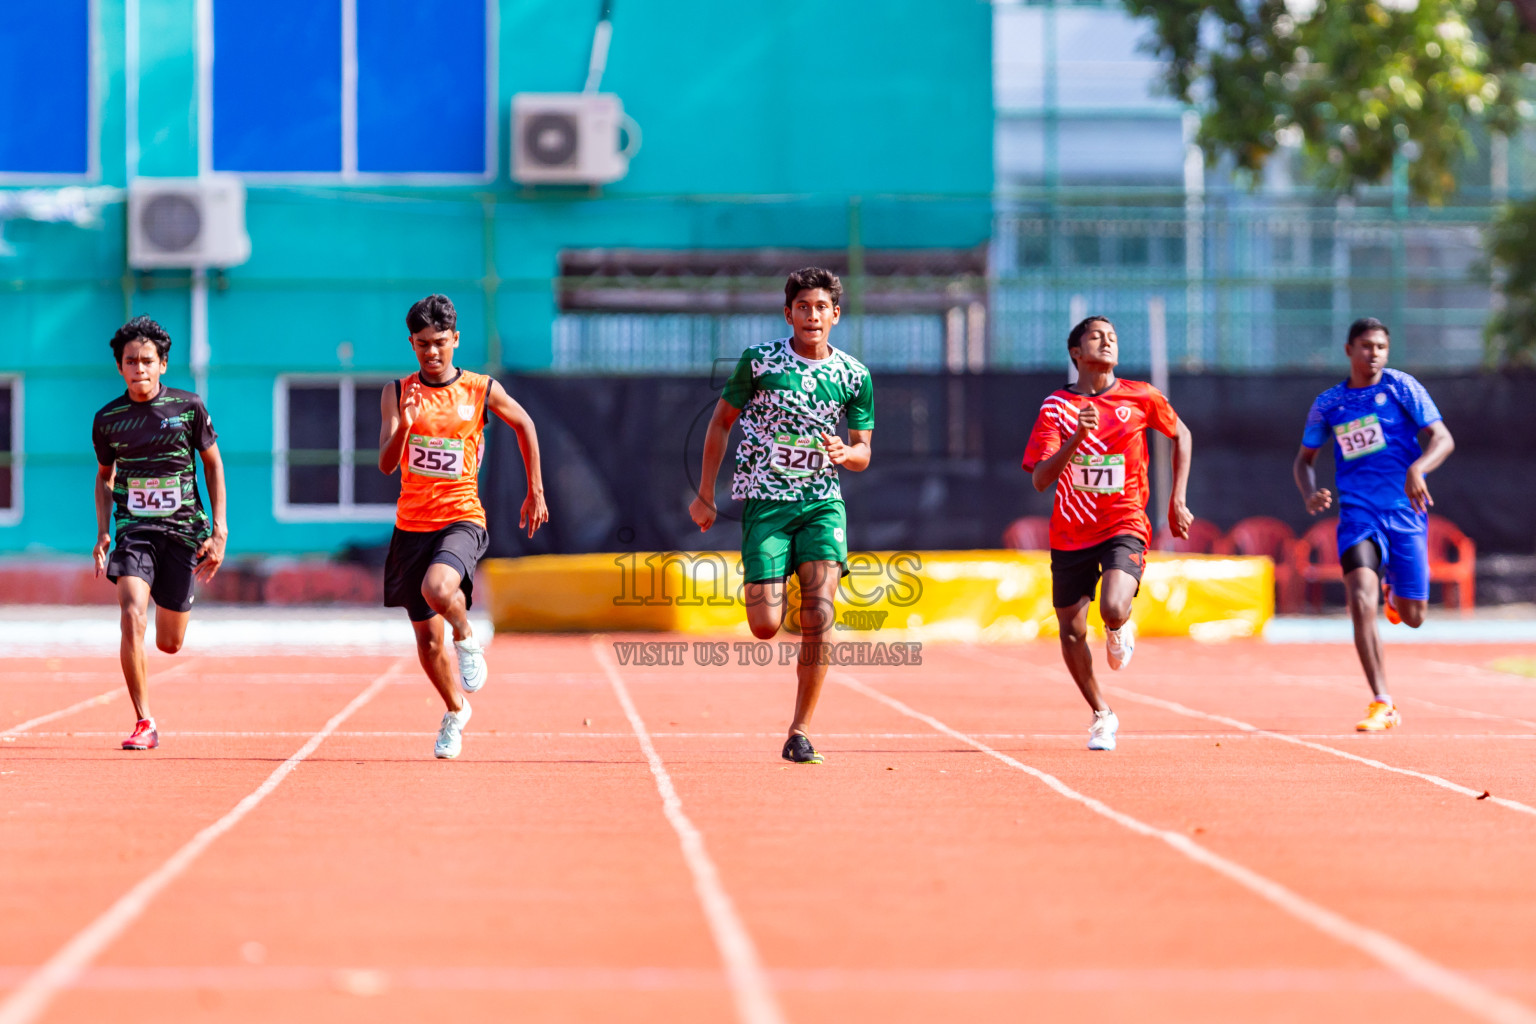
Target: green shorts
[{"x": 778, "y": 536}]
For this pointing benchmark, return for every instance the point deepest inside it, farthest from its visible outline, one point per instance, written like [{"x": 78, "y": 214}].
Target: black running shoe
[{"x": 799, "y": 750}]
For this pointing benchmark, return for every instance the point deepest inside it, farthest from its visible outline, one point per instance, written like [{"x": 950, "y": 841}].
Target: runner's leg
[
  {"x": 1116, "y": 589},
  {"x": 1361, "y": 589},
  {"x": 1073, "y": 621},
  {"x": 437, "y": 662},
  {"x": 444, "y": 595},
  {"x": 133, "y": 603},
  {"x": 765, "y": 608},
  {"x": 818, "y": 596},
  {"x": 170, "y": 629}
]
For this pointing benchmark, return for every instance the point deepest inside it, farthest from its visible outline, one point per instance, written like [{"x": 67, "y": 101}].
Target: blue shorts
[{"x": 1402, "y": 537}]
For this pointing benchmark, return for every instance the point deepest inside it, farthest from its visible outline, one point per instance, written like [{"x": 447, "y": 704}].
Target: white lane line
[
  {"x": 60, "y": 971},
  {"x": 1409, "y": 963},
  {"x": 490, "y": 735},
  {"x": 755, "y": 1002},
  {"x": 91, "y": 702},
  {"x": 1180, "y": 709}
]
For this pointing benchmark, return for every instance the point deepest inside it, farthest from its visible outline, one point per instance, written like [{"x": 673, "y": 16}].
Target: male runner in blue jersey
[{"x": 1387, "y": 434}]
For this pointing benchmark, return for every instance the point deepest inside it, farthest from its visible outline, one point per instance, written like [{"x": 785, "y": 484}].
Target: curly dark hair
[
  {"x": 1365, "y": 325},
  {"x": 434, "y": 311},
  {"x": 812, "y": 277},
  {"x": 140, "y": 328}
]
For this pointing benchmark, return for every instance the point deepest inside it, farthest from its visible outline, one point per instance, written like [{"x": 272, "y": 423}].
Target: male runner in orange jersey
[
  {"x": 1090, "y": 441},
  {"x": 433, "y": 430}
]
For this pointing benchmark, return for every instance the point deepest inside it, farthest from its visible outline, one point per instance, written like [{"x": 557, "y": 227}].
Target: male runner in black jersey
[{"x": 144, "y": 441}]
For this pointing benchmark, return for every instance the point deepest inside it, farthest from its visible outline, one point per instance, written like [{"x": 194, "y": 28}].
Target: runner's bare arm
[
  {"x": 1305, "y": 472},
  {"x": 395, "y": 424},
  {"x": 534, "y": 513},
  {"x": 210, "y": 553},
  {"x": 105, "y": 477},
  {"x": 716, "y": 435},
  {"x": 854, "y": 455},
  {"x": 1047, "y": 471},
  {"x": 1437, "y": 444},
  {"x": 1179, "y": 515}
]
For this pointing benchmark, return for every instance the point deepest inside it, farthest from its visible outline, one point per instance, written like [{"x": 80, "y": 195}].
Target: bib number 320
[
  {"x": 442, "y": 457},
  {"x": 797, "y": 455},
  {"x": 153, "y": 497},
  {"x": 1098, "y": 474}
]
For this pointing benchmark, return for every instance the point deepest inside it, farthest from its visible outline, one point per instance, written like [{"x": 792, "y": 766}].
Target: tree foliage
[{"x": 1357, "y": 84}]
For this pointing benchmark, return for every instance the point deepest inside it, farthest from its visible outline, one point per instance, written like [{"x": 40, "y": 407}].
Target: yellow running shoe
[{"x": 1379, "y": 717}]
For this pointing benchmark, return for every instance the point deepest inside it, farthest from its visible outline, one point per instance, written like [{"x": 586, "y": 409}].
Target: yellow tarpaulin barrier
[{"x": 923, "y": 595}]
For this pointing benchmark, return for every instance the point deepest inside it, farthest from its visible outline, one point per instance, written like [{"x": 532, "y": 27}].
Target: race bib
[
  {"x": 154, "y": 496},
  {"x": 796, "y": 455},
  {"x": 1360, "y": 437},
  {"x": 1098, "y": 474},
  {"x": 442, "y": 457}
]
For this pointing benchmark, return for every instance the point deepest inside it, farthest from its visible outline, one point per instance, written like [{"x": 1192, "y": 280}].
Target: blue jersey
[{"x": 1375, "y": 433}]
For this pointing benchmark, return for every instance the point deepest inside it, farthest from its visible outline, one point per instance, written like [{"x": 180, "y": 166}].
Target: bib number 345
[
  {"x": 442, "y": 457},
  {"x": 153, "y": 497}
]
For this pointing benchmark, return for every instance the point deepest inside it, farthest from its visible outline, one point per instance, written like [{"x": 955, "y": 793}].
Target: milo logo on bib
[
  {"x": 796, "y": 455},
  {"x": 442, "y": 457}
]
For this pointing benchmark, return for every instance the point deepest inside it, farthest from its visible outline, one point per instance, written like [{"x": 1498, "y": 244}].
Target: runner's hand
[
  {"x": 100, "y": 553},
  {"x": 534, "y": 513},
  {"x": 1087, "y": 421},
  {"x": 1319, "y": 500},
  {"x": 210, "y": 555},
  {"x": 837, "y": 452},
  {"x": 1179, "y": 518},
  {"x": 702, "y": 513},
  {"x": 1418, "y": 490},
  {"x": 410, "y": 403}
]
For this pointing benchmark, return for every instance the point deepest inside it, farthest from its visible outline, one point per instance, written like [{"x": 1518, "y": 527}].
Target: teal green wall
[{"x": 764, "y": 124}]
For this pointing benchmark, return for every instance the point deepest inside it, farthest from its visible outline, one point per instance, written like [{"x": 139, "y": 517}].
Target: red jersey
[{"x": 1102, "y": 491}]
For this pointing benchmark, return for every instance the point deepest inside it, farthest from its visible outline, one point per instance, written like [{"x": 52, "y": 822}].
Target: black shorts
[
  {"x": 459, "y": 545},
  {"x": 165, "y": 562},
  {"x": 1075, "y": 574}
]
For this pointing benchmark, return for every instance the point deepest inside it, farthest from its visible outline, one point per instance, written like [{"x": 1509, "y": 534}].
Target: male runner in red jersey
[
  {"x": 1090, "y": 441},
  {"x": 432, "y": 430}
]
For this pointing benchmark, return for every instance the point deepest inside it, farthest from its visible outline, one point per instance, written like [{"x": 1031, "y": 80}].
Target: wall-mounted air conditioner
[
  {"x": 187, "y": 222},
  {"x": 571, "y": 138}
]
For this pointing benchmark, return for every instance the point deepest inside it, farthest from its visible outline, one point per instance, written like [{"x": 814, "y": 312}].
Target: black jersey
[{"x": 151, "y": 445}]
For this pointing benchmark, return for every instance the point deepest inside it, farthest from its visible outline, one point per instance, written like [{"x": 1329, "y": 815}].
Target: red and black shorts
[{"x": 1075, "y": 574}]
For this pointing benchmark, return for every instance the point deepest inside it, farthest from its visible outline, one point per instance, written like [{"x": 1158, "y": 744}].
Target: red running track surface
[{"x": 959, "y": 856}]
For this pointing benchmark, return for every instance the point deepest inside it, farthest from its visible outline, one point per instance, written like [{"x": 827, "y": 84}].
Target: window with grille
[{"x": 325, "y": 465}]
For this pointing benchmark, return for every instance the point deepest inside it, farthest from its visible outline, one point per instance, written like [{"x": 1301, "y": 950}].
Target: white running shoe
[
  {"x": 1120, "y": 644},
  {"x": 1102, "y": 735},
  {"x": 472, "y": 668},
  {"x": 450, "y": 735}
]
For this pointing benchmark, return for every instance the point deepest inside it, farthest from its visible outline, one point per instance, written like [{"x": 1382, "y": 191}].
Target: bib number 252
[{"x": 441, "y": 457}]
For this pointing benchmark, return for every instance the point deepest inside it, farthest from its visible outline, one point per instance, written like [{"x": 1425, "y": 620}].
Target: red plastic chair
[
  {"x": 1266, "y": 535},
  {"x": 1029, "y": 533},
  {"x": 1204, "y": 537},
  {"x": 1315, "y": 559},
  {"x": 1452, "y": 562}
]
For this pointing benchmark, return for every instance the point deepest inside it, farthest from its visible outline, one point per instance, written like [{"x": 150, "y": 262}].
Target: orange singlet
[{"x": 438, "y": 468}]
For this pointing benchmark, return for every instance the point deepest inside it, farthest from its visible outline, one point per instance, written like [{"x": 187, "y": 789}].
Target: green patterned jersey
[
  {"x": 786, "y": 403},
  {"x": 151, "y": 445}
]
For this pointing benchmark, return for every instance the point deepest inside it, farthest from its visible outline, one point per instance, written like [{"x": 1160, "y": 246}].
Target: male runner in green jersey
[
  {"x": 144, "y": 441},
  {"x": 789, "y": 395}
]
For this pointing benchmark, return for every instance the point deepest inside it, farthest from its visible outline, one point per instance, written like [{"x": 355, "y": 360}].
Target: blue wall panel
[
  {"x": 421, "y": 89},
  {"x": 45, "y": 87},
  {"x": 277, "y": 85}
]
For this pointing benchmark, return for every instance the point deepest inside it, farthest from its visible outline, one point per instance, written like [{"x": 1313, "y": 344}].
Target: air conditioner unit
[
  {"x": 571, "y": 138},
  {"x": 187, "y": 222}
]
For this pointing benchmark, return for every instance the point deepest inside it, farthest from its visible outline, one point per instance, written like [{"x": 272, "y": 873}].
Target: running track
[{"x": 624, "y": 843}]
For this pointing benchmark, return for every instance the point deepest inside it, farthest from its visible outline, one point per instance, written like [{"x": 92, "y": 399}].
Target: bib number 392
[
  {"x": 1360, "y": 437},
  {"x": 442, "y": 457},
  {"x": 796, "y": 455},
  {"x": 1098, "y": 474},
  {"x": 154, "y": 496}
]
